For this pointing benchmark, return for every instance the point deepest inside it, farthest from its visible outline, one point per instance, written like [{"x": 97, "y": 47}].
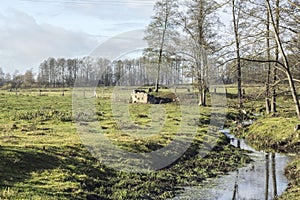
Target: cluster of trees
[
  {"x": 258, "y": 43},
  {"x": 89, "y": 71},
  {"x": 17, "y": 80},
  {"x": 267, "y": 32}
]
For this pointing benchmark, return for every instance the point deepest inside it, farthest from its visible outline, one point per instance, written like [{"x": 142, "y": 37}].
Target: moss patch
[{"x": 274, "y": 134}]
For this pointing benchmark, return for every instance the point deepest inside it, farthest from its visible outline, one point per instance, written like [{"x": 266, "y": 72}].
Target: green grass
[
  {"x": 43, "y": 157},
  {"x": 275, "y": 134}
]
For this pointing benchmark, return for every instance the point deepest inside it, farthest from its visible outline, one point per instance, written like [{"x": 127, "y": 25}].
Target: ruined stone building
[{"x": 139, "y": 96}]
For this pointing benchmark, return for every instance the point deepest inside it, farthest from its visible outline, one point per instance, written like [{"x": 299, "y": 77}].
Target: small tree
[
  {"x": 198, "y": 24},
  {"x": 2, "y": 77},
  {"x": 161, "y": 31},
  {"x": 236, "y": 14},
  {"x": 29, "y": 78},
  {"x": 17, "y": 81}
]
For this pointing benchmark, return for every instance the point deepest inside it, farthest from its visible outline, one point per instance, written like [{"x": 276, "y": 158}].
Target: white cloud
[
  {"x": 116, "y": 10},
  {"x": 121, "y": 44},
  {"x": 24, "y": 43},
  {"x": 31, "y": 31}
]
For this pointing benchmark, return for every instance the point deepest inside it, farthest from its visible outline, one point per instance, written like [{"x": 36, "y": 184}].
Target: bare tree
[
  {"x": 2, "y": 77},
  {"x": 285, "y": 63},
  {"x": 276, "y": 25},
  {"x": 161, "y": 31},
  {"x": 29, "y": 78},
  {"x": 236, "y": 13},
  {"x": 198, "y": 23},
  {"x": 17, "y": 81},
  {"x": 268, "y": 103}
]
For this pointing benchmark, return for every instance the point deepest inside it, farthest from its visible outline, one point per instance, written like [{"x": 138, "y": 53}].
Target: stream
[{"x": 262, "y": 179}]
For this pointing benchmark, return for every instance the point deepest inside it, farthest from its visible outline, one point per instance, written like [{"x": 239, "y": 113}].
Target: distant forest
[{"x": 63, "y": 72}]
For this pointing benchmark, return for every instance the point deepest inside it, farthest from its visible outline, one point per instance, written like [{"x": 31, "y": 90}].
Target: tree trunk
[
  {"x": 268, "y": 103},
  {"x": 158, "y": 69},
  {"x": 200, "y": 88},
  {"x": 274, "y": 176},
  {"x": 200, "y": 96},
  {"x": 204, "y": 96},
  {"x": 238, "y": 57},
  {"x": 274, "y": 105},
  {"x": 267, "y": 176},
  {"x": 294, "y": 92},
  {"x": 162, "y": 42},
  {"x": 274, "y": 95}
]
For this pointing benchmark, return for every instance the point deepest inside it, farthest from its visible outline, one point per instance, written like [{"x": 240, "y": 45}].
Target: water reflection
[
  {"x": 267, "y": 176},
  {"x": 274, "y": 174},
  {"x": 236, "y": 186},
  {"x": 262, "y": 179}
]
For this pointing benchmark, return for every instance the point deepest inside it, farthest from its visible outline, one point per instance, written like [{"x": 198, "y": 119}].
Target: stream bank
[
  {"x": 277, "y": 134},
  {"x": 261, "y": 179}
]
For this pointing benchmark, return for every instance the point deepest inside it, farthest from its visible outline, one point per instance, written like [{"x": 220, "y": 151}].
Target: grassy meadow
[{"x": 43, "y": 157}]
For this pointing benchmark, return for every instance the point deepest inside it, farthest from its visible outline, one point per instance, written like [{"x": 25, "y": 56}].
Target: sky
[{"x": 33, "y": 30}]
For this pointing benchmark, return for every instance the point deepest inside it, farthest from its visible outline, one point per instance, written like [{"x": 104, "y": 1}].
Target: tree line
[{"x": 89, "y": 71}]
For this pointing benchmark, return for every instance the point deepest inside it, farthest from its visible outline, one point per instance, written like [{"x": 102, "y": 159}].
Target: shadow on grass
[
  {"x": 55, "y": 166},
  {"x": 16, "y": 164},
  {"x": 231, "y": 96}
]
